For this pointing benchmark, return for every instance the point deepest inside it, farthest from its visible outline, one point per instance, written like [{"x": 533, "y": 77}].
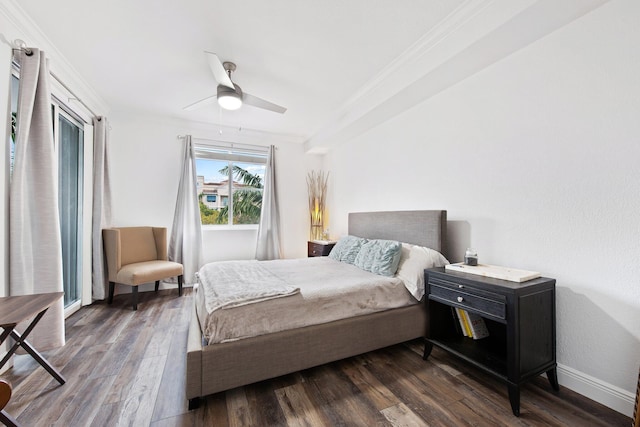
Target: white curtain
[
  {"x": 185, "y": 245},
  {"x": 35, "y": 245},
  {"x": 268, "y": 245},
  {"x": 101, "y": 215}
]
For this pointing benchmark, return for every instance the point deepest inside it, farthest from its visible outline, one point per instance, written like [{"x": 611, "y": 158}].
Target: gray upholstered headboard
[{"x": 424, "y": 228}]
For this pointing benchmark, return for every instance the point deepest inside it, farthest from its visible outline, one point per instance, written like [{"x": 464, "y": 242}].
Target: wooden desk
[{"x": 16, "y": 309}]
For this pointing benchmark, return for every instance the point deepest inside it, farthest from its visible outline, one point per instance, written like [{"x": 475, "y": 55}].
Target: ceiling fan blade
[
  {"x": 218, "y": 70},
  {"x": 261, "y": 103},
  {"x": 199, "y": 104}
]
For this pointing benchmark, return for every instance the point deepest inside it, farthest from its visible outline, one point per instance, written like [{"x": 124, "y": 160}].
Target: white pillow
[{"x": 413, "y": 261}]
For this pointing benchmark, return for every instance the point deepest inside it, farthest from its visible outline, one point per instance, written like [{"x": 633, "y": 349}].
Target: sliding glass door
[{"x": 70, "y": 136}]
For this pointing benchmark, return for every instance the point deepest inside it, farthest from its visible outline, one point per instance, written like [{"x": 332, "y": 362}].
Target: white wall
[
  {"x": 536, "y": 160},
  {"x": 146, "y": 160}
]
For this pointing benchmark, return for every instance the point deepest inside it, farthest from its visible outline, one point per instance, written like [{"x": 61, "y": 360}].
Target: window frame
[{"x": 232, "y": 153}]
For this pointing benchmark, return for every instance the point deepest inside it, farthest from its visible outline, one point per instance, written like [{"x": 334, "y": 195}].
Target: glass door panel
[{"x": 70, "y": 154}]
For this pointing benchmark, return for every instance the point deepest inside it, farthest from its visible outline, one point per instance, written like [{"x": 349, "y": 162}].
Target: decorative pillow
[
  {"x": 379, "y": 257},
  {"x": 347, "y": 249},
  {"x": 415, "y": 259}
]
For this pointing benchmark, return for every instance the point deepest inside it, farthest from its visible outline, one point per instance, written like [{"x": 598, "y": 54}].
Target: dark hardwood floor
[{"x": 127, "y": 368}]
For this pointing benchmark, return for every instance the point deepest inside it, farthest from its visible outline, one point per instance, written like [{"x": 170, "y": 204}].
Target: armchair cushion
[{"x": 147, "y": 271}]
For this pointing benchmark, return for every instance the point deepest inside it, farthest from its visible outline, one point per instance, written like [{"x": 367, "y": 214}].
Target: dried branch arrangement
[{"x": 317, "y": 186}]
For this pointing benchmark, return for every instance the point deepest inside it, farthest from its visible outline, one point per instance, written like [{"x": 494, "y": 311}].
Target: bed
[{"x": 222, "y": 366}]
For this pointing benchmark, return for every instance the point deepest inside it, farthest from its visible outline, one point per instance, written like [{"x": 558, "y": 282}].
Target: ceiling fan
[{"x": 229, "y": 94}]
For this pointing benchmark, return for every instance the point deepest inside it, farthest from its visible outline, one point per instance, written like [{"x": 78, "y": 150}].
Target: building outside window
[{"x": 225, "y": 171}]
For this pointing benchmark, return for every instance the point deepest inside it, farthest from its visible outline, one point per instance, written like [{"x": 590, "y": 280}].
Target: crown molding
[
  {"x": 34, "y": 37},
  {"x": 475, "y": 35},
  {"x": 397, "y": 70}
]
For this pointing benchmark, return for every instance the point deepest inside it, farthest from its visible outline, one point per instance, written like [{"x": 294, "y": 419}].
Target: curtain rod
[
  {"x": 22, "y": 46},
  {"x": 231, "y": 144},
  {"x": 75, "y": 97}
]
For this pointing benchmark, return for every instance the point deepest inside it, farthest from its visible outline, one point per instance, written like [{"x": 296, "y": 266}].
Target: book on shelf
[
  {"x": 478, "y": 326},
  {"x": 456, "y": 321},
  {"x": 463, "y": 321},
  {"x": 459, "y": 319},
  {"x": 469, "y": 324}
]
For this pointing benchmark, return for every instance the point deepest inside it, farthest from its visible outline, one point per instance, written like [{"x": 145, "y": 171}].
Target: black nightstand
[
  {"x": 520, "y": 317},
  {"x": 319, "y": 248}
]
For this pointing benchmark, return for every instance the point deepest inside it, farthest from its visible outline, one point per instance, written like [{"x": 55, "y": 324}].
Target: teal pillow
[
  {"x": 380, "y": 257},
  {"x": 347, "y": 249}
]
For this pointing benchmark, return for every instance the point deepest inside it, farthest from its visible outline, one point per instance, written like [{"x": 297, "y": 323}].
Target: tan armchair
[{"x": 137, "y": 255}]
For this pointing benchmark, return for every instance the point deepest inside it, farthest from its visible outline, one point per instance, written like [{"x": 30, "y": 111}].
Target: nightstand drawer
[
  {"x": 319, "y": 249},
  {"x": 483, "y": 302},
  {"x": 316, "y": 250}
]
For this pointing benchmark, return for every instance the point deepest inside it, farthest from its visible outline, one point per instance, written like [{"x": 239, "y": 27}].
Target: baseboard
[{"x": 607, "y": 394}]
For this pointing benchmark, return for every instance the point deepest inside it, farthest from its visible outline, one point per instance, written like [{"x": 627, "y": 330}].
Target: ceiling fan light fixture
[
  {"x": 228, "y": 98},
  {"x": 229, "y": 94}
]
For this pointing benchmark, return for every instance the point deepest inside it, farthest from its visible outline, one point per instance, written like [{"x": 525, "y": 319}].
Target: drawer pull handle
[{"x": 460, "y": 299}]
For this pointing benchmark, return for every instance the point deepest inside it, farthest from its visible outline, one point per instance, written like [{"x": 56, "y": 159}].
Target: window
[{"x": 230, "y": 182}]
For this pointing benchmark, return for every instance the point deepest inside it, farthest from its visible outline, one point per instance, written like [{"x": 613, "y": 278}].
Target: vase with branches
[{"x": 317, "y": 186}]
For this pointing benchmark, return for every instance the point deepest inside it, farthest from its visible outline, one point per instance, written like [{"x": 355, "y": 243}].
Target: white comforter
[{"x": 328, "y": 290}]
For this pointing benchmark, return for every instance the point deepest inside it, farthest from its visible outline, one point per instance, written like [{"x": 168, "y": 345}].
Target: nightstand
[
  {"x": 317, "y": 248},
  {"x": 520, "y": 317}
]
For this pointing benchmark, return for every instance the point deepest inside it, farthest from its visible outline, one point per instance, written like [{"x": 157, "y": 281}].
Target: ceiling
[{"x": 337, "y": 66}]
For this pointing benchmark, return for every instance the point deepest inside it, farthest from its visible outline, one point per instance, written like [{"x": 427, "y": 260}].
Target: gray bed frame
[{"x": 219, "y": 367}]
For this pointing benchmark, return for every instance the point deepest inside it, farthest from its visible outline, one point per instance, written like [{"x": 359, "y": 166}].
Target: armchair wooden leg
[
  {"x": 180, "y": 285},
  {"x": 157, "y": 285},
  {"x": 112, "y": 286},
  {"x": 134, "y": 297}
]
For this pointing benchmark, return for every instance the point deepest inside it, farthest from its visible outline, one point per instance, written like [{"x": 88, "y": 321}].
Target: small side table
[
  {"x": 16, "y": 309},
  {"x": 521, "y": 318},
  {"x": 319, "y": 248}
]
